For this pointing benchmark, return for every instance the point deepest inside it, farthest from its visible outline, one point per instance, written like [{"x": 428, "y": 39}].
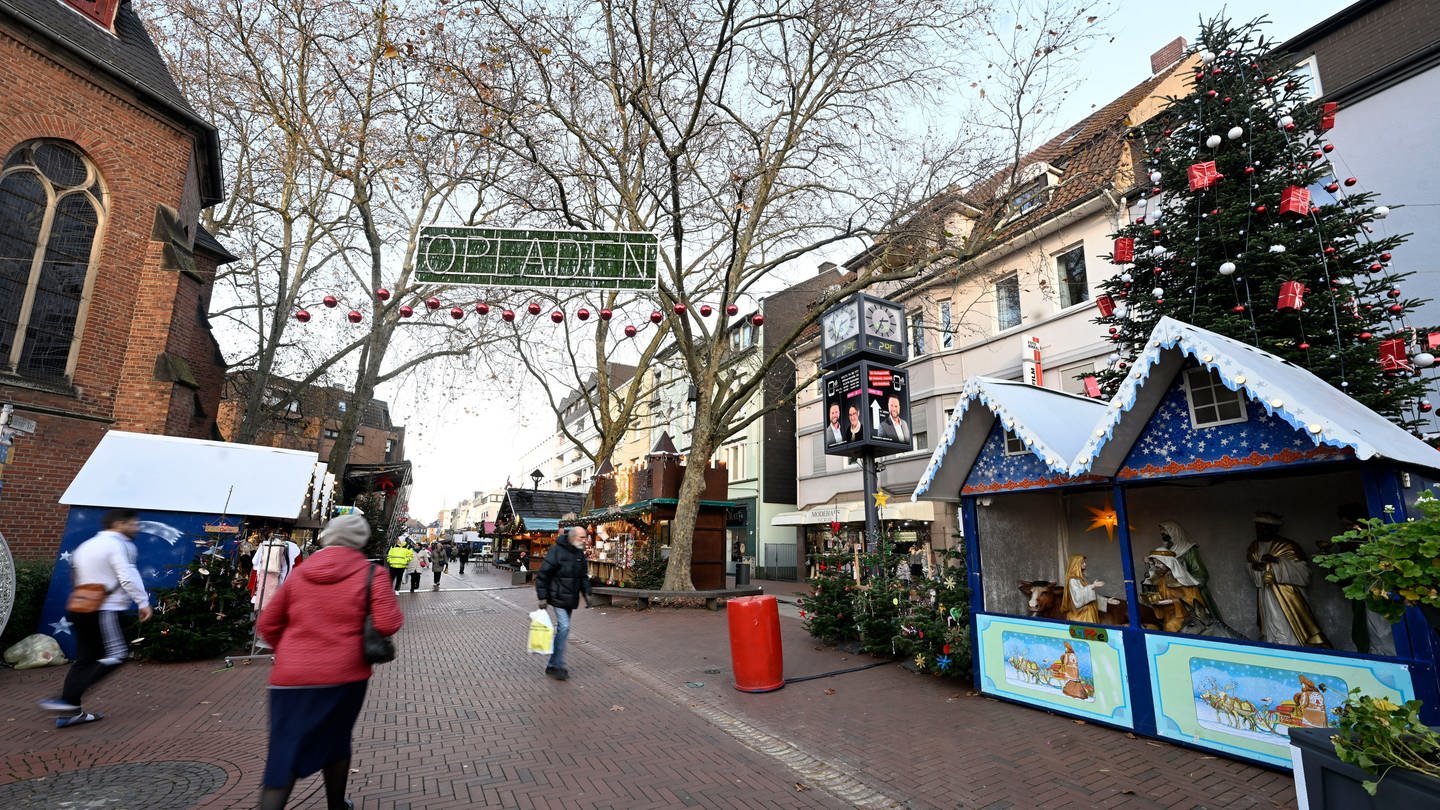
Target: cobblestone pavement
[{"x": 649, "y": 719}]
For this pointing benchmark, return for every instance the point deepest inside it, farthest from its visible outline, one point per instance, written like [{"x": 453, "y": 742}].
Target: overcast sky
[{"x": 474, "y": 438}]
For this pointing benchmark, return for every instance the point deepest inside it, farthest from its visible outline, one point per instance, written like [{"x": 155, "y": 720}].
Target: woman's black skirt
[{"x": 310, "y": 727}]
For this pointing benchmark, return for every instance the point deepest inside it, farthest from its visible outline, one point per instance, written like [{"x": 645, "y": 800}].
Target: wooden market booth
[
  {"x": 1213, "y": 442},
  {"x": 527, "y": 522}
]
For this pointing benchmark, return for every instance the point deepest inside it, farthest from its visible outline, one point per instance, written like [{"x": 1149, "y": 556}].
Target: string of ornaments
[
  {"x": 534, "y": 309},
  {"x": 1228, "y": 216}
]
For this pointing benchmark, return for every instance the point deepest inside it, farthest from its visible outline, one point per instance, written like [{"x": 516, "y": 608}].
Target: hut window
[
  {"x": 1014, "y": 445},
  {"x": 1211, "y": 403}
]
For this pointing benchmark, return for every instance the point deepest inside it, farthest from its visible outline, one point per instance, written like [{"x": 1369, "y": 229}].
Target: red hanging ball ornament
[
  {"x": 383, "y": 294},
  {"x": 1211, "y": 93},
  {"x": 1364, "y": 336},
  {"x": 533, "y": 308},
  {"x": 1304, "y": 347},
  {"x": 705, "y": 310},
  {"x": 1214, "y": 211},
  {"x": 1350, "y": 181},
  {"x": 482, "y": 308},
  {"x": 1290, "y": 127},
  {"x": 679, "y": 309},
  {"x": 457, "y": 313},
  {"x": 1227, "y": 99},
  {"x": 1317, "y": 154},
  {"x": 406, "y": 311},
  {"x": 1113, "y": 330},
  {"x": 1394, "y": 293},
  {"x": 557, "y": 316},
  {"x": 1384, "y": 257},
  {"x": 508, "y": 315},
  {"x": 1155, "y": 233},
  {"x": 1139, "y": 220},
  {"x": 657, "y": 316},
  {"x": 1425, "y": 407},
  {"x": 1328, "y": 148},
  {"x": 605, "y": 314},
  {"x": 303, "y": 316},
  {"x": 1376, "y": 267},
  {"x": 630, "y": 331},
  {"x": 1396, "y": 309},
  {"x": 1332, "y": 187},
  {"x": 432, "y": 304},
  {"x": 1238, "y": 308},
  {"x": 1156, "y": 190},
  {"x": 1249, "y": 169},
  {"x": 583, "y": 314},
  {"x": 1168, "y": 131},
  {"x": 757, "y": 319},
  {"x": 354, "y": 316},
  {"x": 330, "y": 301},
  {"x": 1259, "y": 209},
  {"x": 1329, "y": 250}
]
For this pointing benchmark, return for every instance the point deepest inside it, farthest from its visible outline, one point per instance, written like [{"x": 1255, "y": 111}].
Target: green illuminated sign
[{"x": 496, "y": 257}]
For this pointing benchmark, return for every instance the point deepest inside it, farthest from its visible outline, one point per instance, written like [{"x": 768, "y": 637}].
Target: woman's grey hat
[{"x": 347, "y": 531}]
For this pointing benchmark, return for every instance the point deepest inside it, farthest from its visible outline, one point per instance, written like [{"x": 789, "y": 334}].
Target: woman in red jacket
[{"x": 318, "y": 682}]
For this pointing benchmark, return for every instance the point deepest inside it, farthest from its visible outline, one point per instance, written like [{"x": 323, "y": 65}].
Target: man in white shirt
[{"x": 107, "y": 559}]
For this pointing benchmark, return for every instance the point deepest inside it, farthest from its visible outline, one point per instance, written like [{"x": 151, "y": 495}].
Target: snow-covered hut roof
[
  {"x": 1053, "y": 425},
  {"x": 1282, "y": 388}
]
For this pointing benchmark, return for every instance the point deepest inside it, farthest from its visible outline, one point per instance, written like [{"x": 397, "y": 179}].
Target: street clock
[{"x": 863, "y": 326}]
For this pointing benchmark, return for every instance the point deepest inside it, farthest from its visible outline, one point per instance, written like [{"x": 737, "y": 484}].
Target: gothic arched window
[{"x": 52, "y": 206}]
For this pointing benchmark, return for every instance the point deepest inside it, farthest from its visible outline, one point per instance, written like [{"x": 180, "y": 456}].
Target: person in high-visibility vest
[{"x": 398, "y": 558}]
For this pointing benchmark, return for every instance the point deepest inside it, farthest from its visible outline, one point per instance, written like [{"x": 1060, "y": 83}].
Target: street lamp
[{"x": 536, "y": 475}]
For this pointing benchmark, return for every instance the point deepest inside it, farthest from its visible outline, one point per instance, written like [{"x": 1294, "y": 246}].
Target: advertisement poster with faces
[{"x": 867, "y": 405}]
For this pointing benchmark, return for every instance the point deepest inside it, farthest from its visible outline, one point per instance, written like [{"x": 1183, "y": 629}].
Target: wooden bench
[{"x": 605, "y": 595}]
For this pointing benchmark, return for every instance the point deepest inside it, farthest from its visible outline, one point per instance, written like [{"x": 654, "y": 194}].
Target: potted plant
[
  {"x": 1391, "y": 565},
  {"x": 1379, "y": 756}
]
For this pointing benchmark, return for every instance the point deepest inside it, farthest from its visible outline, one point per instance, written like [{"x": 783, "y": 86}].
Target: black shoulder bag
[{"x": 377, "y": 649}]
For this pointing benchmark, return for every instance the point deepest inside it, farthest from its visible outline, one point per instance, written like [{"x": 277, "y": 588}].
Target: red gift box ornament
[
  {"x": 1292, "y": 297},
  {"x": 1092, "y": 386},
  {"x": 1295, "y": 200},
  {"x": 1392, "y": 356},
  {"x": 1106, "y": 305},
  {"x": 1124, "y": 250},
  {"x": 1327, "y": 115},
  {"x": 1203, "y": 175}
]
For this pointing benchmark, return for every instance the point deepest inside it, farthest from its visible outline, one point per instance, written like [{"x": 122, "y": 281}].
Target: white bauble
[
  {"x": 1155, "y": 176},
  {"x": 1381, "y": 211},
  {"x": 1212, "y": 141},
  {"x": 1424, "y": 360},
  {"x": 1235, "y": 133},
  {"x": 1158, "y": 292},
  {"x": 1227, "y": 269},
  {"x": 1277, "y": 248},
  {"x": 1286, "y": 121},
  {"x": 1207, "y": 57}
]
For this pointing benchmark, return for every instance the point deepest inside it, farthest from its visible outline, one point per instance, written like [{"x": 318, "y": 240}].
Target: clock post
[{"x": 859, "y": 339}]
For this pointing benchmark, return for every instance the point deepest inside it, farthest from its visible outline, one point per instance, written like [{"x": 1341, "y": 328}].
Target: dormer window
[
  {"x": 1014, "y": 445},
  {"x": 1032, "y": 189},
  {"x": 1211, "y": 403},
  {"x": 100, "y": 12}
]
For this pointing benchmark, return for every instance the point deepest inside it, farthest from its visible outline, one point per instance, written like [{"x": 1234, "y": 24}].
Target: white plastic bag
[{"x": 542, "y": 632}]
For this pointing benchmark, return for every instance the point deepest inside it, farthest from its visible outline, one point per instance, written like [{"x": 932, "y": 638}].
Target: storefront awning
[
  {"x": 854, "y": 512},
  {"x": 538, "y": 524}
]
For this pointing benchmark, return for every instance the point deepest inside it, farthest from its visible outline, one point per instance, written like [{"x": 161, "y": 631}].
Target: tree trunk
[{"x": 687, "y": 511}]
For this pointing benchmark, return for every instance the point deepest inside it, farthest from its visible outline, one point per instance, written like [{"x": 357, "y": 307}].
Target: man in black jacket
[{"x": 562, "y": 579}]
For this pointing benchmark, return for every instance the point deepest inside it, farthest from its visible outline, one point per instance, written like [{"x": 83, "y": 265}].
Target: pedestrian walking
[
  {"x": 106, "y": 560},
  {"x": 318, "y": 683},
  {"x": 462, "y": 554},
  {"x": 398, "y": 560},
  {"x": 418, "y": 563},
  {"x": 562, "y": 579},
  {"x": 437, "y": 564}
]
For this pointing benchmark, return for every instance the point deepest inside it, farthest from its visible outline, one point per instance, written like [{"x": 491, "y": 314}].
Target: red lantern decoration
[
  {"x": 1295, "y": 200},
  {"x": 482, "y": 308},
  {"x": 406, "y": 311},
  {"x": 457, "y": 313},
  {"x": 383, "y": 294},
  {"x": 533, "y": 308},
  {"x": 705, "y": 310},
  {"x": 679, "y": 309},
  {"x": 1105, "y": 304},
  {"x": 732, "y": 309},
  {"x": 1392, "y": 356},
  {"x": 630, "y": 331},
  {"x": 656, "y": 316},
  {"x": 557, "y": 316},
  {"x": 330, "y": 301},
  {"x": 432, "y": 304},
  {"x": 583, "y": 314},
  {"x": 1203, "y": 175},
  {"x": 303, "y": 316},
  {"x": 1327, "y": 115},
  {"x": 757, "y": 319},
  {"x": 1292, "y": 297},
  {"x": 354, "y": 316},
  {"x": 605, "y": 314},
  {"x": 508, "y": 315},
  {"x": 1124, "y": 250}
]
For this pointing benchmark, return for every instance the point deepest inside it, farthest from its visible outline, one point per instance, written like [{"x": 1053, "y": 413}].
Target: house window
[
  {"x": 1029, "y": 197},
  {"x": 1007, "y": 302},
  {"x": 52, "y": 206},
  {"x": 947, "y": 326},
  {"x": 341, "y": 406},
  {"x": 332, "y": 433},
  {"x": 917, "y": 334},
  {"x": 734, "y": 456},
  {"x": 359, "y": 438},
  {"x": 919, "y": 428},
  {"x": 1211, "y": 403},
  {"x": 1014, "y": 445},
  {"x": 1070, "y": 266}
]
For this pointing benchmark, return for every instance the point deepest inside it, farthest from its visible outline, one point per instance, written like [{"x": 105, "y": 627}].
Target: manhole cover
[{"x": 152, "y": 785}]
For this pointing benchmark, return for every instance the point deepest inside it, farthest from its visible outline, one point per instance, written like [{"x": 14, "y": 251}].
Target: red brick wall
[{"x": 136, "y": 309}]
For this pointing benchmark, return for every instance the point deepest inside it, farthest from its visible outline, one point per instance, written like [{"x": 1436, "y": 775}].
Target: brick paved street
[{"x": 649, "y": 719}]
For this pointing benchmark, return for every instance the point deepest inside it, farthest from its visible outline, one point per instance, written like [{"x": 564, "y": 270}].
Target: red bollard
[{"x": 755, "y": 643}]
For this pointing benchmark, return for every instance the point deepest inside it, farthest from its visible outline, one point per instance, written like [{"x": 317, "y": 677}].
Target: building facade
[{"x": 310, "y": 420}]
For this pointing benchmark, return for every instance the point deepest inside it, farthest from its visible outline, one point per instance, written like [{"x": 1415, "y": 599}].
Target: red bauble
[
  {"x": 1329, "y": 250},
  {"x": 432, "y": 304},
  {"x": 1394, "y": 293},
  {"x": 630, "y": 331},
  {"x": 1364, "y": 336},
  {"x": 605, "y": 314},
  {"x": 1396, "y": 309},
  {"x": 1249, "y": 169},
  {"x": 657, "y": 316},
  {"x": 1327, "y": 148},
  {"x": 1350, "y": 181},
  {"x": 508, "y": 315},
  {"x": 1155, "y": 233},
  {"x": 557, "y": 316},
  {"x": 330, "y": 301},
  {"x": 1384, "y": 257},
  {"x": 757, "y": 319},
  {"x": 1290, "y": 127},
  {"x": 457, "y": 313},
  {"x": 1376, "y": 267},
  {"x": 1332, "y": 187},
  {"x": 1238, "y": 308},
  {"x": 705, "y": 310},
  {"x": 1214, "y": 211},
  {"x": 482, "y": 308},
  {"x": 533, "y": 308},
  {"x": 303, "y": 316},
  {"x": 406, "y": 311},
  {"x": 1139, "y": 220},
  {"x": 679, "y": 309},
  {"x": 1304, "y": 347},
  {"x": 1211, "y": 93},
  {"x": 583, "y": 314},
  {"x": 1156, "y": 190},
  {"x": 383, "y": 294},
  {"x": 1259, "y": 209},
  {"x": 1113, "y": 330},
  {"x": 1317, "y": 154},
  {"x": 354, "y": 316},
  {"x": 1425, "y": 407}
]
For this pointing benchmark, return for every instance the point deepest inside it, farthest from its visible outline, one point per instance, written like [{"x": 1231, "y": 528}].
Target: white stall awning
[{"x": 854, "y": 512}]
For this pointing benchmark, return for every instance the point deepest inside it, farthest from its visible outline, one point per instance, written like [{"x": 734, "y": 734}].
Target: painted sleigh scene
[
  {"x": 1261, "y": 703},
  {"x": 1049, "y": 665}
]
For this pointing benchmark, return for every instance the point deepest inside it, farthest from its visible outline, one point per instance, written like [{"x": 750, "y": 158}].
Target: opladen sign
[{"x": 543, "y": 259}]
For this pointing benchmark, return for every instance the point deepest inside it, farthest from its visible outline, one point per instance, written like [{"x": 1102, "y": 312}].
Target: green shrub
[
  {"x": 647, "y": 570},
  {"x": 32, "y": 583}
]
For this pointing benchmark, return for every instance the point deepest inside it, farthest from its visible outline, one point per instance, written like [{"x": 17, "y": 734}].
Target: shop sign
[{"x": 535, "y": 258}]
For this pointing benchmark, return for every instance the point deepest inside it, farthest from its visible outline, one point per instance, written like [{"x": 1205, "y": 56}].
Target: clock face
[
  {"x": 841, "y": 325},
  {"x": 881, "y": 321}
]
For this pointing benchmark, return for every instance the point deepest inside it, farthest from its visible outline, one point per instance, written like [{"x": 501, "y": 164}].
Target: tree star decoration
[
  {"x": 920, "y": 660},
  {"x": 1104, "y": 518},
  {"x": 881, "y": 498},
  {"x": 62, "y": 626},
  {"x": 942, "y": 662}
]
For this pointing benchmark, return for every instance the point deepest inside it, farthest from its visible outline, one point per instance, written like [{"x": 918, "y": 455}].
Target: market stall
[
  {"x": 527, "y": 522},
  {"x": 1147, "y": 566}
]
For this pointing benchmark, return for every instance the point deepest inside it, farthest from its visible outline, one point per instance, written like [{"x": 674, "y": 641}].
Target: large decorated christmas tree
[{"x": 1247, "y": 229}]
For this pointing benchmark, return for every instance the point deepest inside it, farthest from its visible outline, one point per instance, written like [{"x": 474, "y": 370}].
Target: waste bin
[
  {"x": 742, "y": 574},
  {"x": 755, "y": 653}
]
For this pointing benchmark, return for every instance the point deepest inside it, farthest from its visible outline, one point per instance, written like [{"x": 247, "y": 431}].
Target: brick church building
[{"x": 105, "y": 273}]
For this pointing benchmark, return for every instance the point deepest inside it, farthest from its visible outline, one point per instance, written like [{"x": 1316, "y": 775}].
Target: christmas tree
[
  {"x": 1246, "y": 230},
  {"x": 206, "y": 615}
]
